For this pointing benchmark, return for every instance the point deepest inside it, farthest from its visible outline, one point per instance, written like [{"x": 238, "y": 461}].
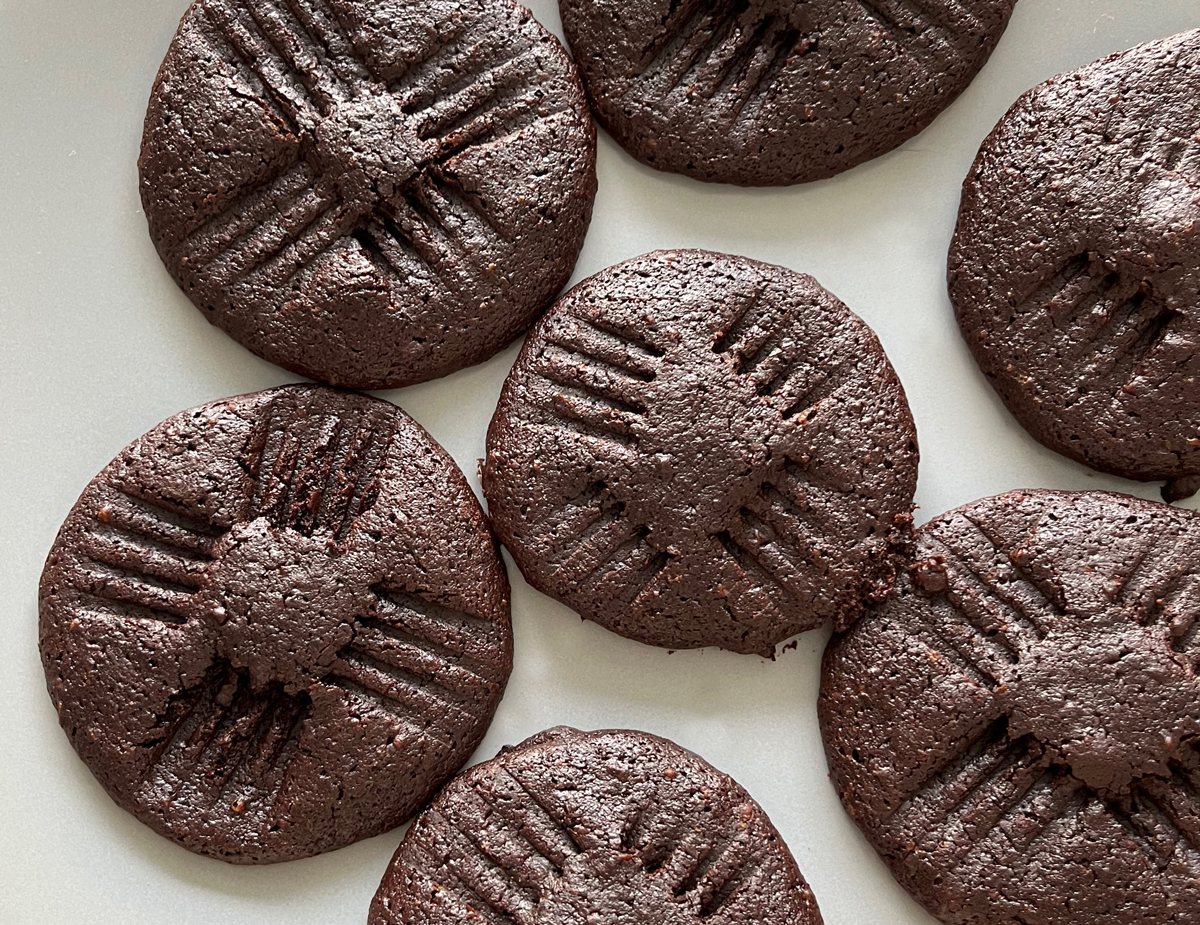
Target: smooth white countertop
[{"x": 97, "y": 345}]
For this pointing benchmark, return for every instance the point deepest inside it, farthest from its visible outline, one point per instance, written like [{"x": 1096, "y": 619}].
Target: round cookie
[
  {"x": 771, "y": 92},
  {"x": 695, "y": 449},
  {"x": 1017, "y": 731},
  {"x": 275, "y": 624},
  {"x": 1075, "y": 266},
  {"x": 606, "y": 828},
  {"x": 368, "y": 194}
]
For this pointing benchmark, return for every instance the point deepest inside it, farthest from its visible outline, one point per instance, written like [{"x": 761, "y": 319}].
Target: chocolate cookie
[
  {"x": 1018, "y": 731},
  {"x": 368, "y": 194},
  {"x": 1075, "y": 267},
  {"x": 695, "y": 449},
  {"x": 275, "y": 624},
  {"x": 769, "y": 92},
  {"x": 607, "y": 828}
]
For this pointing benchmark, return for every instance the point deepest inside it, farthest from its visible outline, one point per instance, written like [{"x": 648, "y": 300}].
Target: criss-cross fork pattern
[
  {"x": 299, "y": 61},
  {"x": 221, "y": 746},
  {"x": 791, "y": 521},
  {"x": 317, "y": 473},
  {"x": 724, "y": 52},
  {"x": 927, "y": 31},
  {"x": 998, "y": 794},
  {"x": 505, "y": 845},
  {"x": 1108, "y": 325},
  {"x": 715, "y": 51},
  {"x": 594, "y": 383}
]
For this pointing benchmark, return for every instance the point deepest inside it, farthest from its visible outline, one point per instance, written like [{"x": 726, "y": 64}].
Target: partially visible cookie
[
  {"x": 695, "y": 449},
  {"x": 1075, "y": 267},
  {"x": 275, "y": 624},
  {"x": 603, "y": 828},
  {"x": 1018, "y": 731},
  {"x": 769, "y": 92},
  {"x": 368, "y": 194}
]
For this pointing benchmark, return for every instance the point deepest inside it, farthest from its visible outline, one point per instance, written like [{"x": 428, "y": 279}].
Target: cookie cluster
[{"x": 279, "y": 623}]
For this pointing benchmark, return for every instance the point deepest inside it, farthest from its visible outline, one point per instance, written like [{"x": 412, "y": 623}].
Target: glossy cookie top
[
  {"x": 368, "y": 194},
  {"x": 275, "y": 624}
]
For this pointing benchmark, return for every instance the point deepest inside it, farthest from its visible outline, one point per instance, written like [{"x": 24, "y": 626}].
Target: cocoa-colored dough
[
  {"x": 275, "y": 624},
  {"x": 695, "y": 449},
  {"x": 593, "y": 828},
  {"x": 1018, "y": 731},
  {"x": 1075, "y": 267},
  {"x": 769, "y": 92},
  {"x": 370, "y": 194}
]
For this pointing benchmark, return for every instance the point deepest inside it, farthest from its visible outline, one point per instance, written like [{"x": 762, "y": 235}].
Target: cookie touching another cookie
[
  {"x": 1017, "y": 731},
  {"x": 275, "y": 624},
  {"x": 604, "y": 828},
  {"x": 1075, "y": 266},
  {"x": 695, "y": 449},
  {"x": 368, "y": 194},
  {"x": 770, "y": 92}
]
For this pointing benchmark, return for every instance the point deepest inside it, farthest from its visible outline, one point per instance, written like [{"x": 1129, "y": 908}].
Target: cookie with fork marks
[
  {"x": 1075, "y": 267},
  {"x": 275, "y": 624},
  {"x": 370, "y": 195},
  {"x": 771, "y": 92},
  {"x": 607, "y": 828},
  {"x": 1017, "y": 731},
  {"x": 695, "y": 449}
]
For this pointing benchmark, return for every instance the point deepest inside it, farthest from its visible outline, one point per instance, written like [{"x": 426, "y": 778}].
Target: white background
[{"x": 97, "y": 345}]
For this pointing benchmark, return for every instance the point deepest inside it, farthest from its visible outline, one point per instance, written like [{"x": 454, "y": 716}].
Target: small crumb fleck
[{"x": 930, "y": 576}]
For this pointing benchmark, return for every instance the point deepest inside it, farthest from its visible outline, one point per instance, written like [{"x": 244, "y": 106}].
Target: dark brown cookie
[
  {"x": 275, "y": 624},
  {"x": 603, "y": 828},
  {"x": 695, "y": 449},
  {"x": 769, "y": 92},
  {"x": 1075, "y": 267},
  {"x": 369, "y": 194},
  {"x": 1018, "y": 731}
]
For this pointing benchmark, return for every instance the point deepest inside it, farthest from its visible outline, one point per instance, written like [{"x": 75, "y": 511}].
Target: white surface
[{"x": 97, "y": 345}]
